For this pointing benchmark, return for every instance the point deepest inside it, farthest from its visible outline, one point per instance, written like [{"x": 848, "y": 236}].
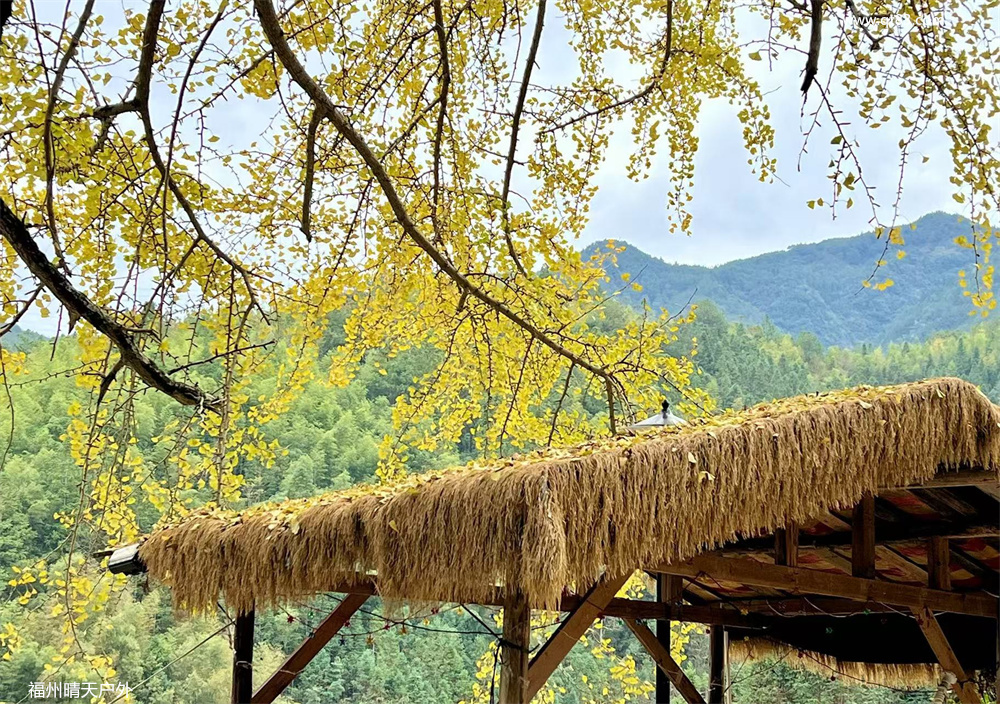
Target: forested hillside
[
  {"x": 818, "y": 288},
  {"x": 329, "y": 439}
]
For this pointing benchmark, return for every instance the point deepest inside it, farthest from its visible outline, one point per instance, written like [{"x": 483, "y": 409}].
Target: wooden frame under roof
[{"x": 832, "y": 525}]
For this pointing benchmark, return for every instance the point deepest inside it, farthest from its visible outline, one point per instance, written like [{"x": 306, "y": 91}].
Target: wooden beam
[
  {"x": 887, "y": 535},
  {"x": 863, "y": 538},
  {"x": 798, "y": 580},
  {"x": 709, "y": 615},
  {"x": 514, "y": 650},
  {"x": 936, "y": 638},
  {"x": 716, "y": 664},
  {"x": 811, "y": 606},
  {"x": 242, "y": 689},
  {"x": 594, "y": 602},
  {"x": 965, "y": 477},
  {"x": 938, "y": 564},
  {"x": 664, "y": 663},
  {"x": 308, "y": 649},
  {"x": 786, "y": 545}
]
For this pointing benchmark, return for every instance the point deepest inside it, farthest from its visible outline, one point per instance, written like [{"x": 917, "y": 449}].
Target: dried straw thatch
[
  {"x": 899, "y": 676},
  {"x": 560, "y": 518}
]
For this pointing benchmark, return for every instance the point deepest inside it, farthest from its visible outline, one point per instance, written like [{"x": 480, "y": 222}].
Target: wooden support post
[
  {"x": 664, "y": 663},
  {"x": 938, "y": 564},
  {"x": 798, "y": 580},
  {"x": 242, "y": 690},
  {"x": 964, "y": 689},
  {"x": 309, "y": 648},
  {"x": 716, "y": 664},
  {"x": 786, "y": 545},
  {"x": 514, "y": 649},
  {"x": 669, "y": 590},
  {"x": 863, "y": 538},
  {"x": 570, "y": 631}
]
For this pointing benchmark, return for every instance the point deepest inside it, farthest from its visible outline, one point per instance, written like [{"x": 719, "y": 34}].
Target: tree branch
[
  {"x": 77, "y": 303},
  {"x": 307, "y": 187},
  {"x": 442, "y": 113},
  {"x": 12, "y": 323},
  {"x": 624, "y": 102},
  {"x": 50, "y": 148},
  {"x": 522, "y": 96},
  {"x": 275, "y": 35},
  {"x": 815, "y": 40}
]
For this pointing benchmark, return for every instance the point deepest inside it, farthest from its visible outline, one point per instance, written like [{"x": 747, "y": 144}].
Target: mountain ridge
[{"x": 817, "y": 287}]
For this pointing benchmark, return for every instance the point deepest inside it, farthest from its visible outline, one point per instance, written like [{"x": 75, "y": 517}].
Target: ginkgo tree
[{"x": 183, "y": 185}]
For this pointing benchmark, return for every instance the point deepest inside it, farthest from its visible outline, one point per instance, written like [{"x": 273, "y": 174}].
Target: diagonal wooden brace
[
  {"x": 667, "y": 664},
  {"x": 308, "y": 649},
  {"x": 570, "y": 631}
]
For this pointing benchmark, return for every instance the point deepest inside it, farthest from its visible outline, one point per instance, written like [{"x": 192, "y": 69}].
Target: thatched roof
[
  {"x": 561, "y": 517},
  {"x": 899, "y": 676}
]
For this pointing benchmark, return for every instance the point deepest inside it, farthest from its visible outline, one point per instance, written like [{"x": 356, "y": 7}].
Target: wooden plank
[
  {"x": 798, "y": 580},
  {"x": 308, "y": 649},
  {"x": 863, "y": 538},
  {"x": 991, "y": 580},
  {"x": 890, "y": 559},
  {"x": 991, "y": 489},
  {"x": 945, "y": 655},
  {"x": 242, "y": 689},
  {"x": 664, "y": 663},
  {"x": 716, "y": 665},
  {"x": 938, "y": 564},
  {"x": 967, "y": 477},
  {"x": 514, "y": 650},
  {"x": 945, "y": 503},
  {"x": 786, "y": 545},
  {"x": 570, "y": 631}
]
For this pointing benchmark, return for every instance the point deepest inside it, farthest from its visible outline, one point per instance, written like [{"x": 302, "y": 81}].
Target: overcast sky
[{"x": 736, "y": 216}]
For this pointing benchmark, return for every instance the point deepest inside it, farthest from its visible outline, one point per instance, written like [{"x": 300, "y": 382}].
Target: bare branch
[
  {"x": 9, "y": 325},
  {"x": 536, "y": 39},
  {"x": 50, "y": 149},
  {"x": 635, "y": 97},
  {"x": 14, "y": 231},
  {"x": 562, "y": 398},
  {"x": 442, "y": 113},
  {"x": 307, "y": 187}
]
